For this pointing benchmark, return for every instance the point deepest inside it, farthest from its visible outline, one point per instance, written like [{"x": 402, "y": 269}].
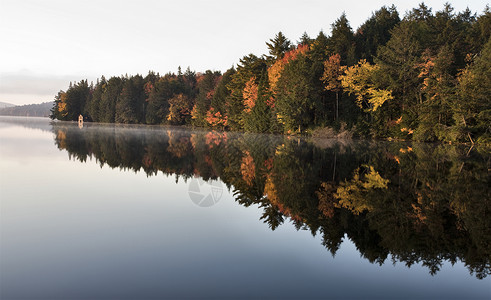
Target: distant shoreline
[{"x": 29, "y": 110}]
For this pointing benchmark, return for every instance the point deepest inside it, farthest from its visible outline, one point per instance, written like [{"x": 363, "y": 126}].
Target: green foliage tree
[
  {"x": 375, "y": 32},
  {"x": 472, "y": 110},
  {"x": 304, "y": 39},
  {"x": 158, "y": 98},
  {"x": 222, "y": 92},
  {"x": 278, "y": 46},
  {"x": 294, "y": 102},
  {"x": 435, "y": 114},
  {"x": 112, "y": 90},
  {"x": 93, "y": 107},
  {"x": 250, "y": 66},
  {"x": 206, "y": 84},
  {"x": 342, "y": 40},
  {"x": 70, "y": 104},
  {"x": 130, "y": 104},
  {"x": 259, "y": 117}
]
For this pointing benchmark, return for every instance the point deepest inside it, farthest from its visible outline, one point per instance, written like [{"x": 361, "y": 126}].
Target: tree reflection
[{"x": 415, "y": 203}]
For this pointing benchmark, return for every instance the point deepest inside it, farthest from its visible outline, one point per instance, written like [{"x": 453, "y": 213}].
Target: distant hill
[
  {"x": 4, "y": 105},
  {"x": 30, "y": 110}
]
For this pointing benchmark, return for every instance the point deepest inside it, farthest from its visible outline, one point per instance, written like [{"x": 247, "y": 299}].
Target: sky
[{"x": 45, "y": 44}]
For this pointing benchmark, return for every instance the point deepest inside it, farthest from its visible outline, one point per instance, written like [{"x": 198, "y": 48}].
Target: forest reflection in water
[{"x": 397, "y": 202}]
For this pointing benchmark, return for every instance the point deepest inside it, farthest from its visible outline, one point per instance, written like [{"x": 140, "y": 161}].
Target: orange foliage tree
[
  {"x": 248, "y": 168},
  {"x": 179, "y": 110},
  {"x": 250, "y": 94},
  {"x": 216, "y": 119},
  {"x": 332, "y": 71},
  {"x": 274, "y": 72}
]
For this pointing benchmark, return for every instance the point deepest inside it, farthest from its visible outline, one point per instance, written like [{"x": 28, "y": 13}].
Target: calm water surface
[{"x": 132, "y": 212}]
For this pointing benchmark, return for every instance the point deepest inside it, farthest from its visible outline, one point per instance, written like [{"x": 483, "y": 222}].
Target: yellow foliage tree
[
  {"x": 352, "y": 194},
  {"x": 358, "y": 80},
  {"x": 62, "y": 106}
]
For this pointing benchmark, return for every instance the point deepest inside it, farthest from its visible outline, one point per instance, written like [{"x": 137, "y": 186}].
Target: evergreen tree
[
  {"x": 342, "y": 41},
  {"x": 319, "y": 48},
  {"x": 304, "y": 39},
  {"x": 278, "y": 46},
  {"x": 250, "y": 66},
  {"x": 259, "y": 117},
  {"x": 206, "y": 84},
  {"x": 222, "y": 93},
  {"x": 472, "y": 109},
  {"x": 70, "y": 104},
  {"x": 109, "y": 98},
  {"x": 93, "y": 107},
  {"x": 397, "y": 60},
  {"x": 295, "y": 100},
  {"x": 375, "y": 32},
  {"x": 130, "y": 103}
]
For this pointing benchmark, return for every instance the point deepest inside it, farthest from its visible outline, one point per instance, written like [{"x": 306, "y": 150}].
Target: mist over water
[{"x": 130, "y": 212}]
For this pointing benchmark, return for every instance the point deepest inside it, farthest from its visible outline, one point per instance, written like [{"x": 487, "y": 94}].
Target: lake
[{"x": 138, "y": 212}]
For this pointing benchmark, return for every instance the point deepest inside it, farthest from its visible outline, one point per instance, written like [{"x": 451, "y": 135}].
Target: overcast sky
[{"x": 44, "y": 44}]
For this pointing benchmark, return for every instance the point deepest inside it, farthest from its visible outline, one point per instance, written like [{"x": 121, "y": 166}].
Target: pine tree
[
  {"x": 342, "y": 41},
  {"x": 278, "y": 46},
  {"x": 375, "y": 32}
]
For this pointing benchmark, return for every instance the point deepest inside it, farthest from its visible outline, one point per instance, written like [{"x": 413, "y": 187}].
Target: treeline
[
  {"x": 420, "y": 204},
  {"x": 29, "y": 110},
  {"x": 425, "y": 77}
]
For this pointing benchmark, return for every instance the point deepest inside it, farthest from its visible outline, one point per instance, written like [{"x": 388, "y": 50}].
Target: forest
[{"x": 425, "y": 76}]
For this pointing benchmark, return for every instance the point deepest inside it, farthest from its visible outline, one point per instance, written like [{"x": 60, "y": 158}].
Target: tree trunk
[{"x": 337, "y": 105}]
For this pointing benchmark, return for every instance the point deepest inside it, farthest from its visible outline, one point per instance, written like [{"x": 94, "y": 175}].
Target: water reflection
[{"x": 397, "y": 202}]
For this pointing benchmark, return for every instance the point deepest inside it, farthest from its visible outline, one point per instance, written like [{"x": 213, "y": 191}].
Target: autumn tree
[
  {"x": 331, "y": 77},
  {"x": 352, "y": 194},
  {"x": 216, "y": 114},
  {"x": 258, "y": 112},
  {"x": 160, "y": 94},
  {"x": 274, "y": 71},
  {"x": 179, "y": 110},
  {"x": 248, "y": 67},
  {"x": 359, "y": 80},
  {"x": 59, "y": 110},
  {"x": 206, "y": 84},
  {"x": 438, "y": 89}
]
